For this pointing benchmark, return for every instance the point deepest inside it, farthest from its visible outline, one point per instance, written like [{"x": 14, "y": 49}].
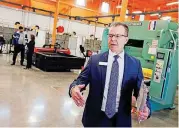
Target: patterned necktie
[{"x": 112, "y": 90}]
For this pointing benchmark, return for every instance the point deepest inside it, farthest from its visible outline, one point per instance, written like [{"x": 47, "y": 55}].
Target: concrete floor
[{"x": 40, "y": 99}]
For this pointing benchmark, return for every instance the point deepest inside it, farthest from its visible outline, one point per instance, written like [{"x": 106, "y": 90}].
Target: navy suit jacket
[{"x": 95, "y": 75}]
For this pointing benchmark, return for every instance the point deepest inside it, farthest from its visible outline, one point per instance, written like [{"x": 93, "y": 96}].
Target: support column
[
  {"x": 27, "y": 3},
  {"x": 123, "y": 10},
  {"x": 55, "y": 23}
]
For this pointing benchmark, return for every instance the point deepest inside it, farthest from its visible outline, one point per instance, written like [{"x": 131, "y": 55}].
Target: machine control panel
[{"x": 159, "y": 67}]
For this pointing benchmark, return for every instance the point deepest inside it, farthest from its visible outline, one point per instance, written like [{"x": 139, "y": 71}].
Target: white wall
[
  {"x": 42, "y": 21},
  {"x": 9, "y": 16},
  {"x": 80, "y": 28}
]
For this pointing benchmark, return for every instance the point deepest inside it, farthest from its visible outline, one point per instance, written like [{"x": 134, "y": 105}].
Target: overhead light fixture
[
  {"x": 172, "y": 3},
  {"x": 137, "y": 12},
  {"x": 119, "y": 6},
  {"x": 105, "y": 7},
  {"x": 81, "y": 2},
  {"x": 156, "y": 14},
  {"x": 166, "y": 18}
]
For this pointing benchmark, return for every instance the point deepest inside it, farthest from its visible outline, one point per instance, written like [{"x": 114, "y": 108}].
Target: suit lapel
[
  {"x": 103, "y": 68},
  {"x": 125, "y": 69}
]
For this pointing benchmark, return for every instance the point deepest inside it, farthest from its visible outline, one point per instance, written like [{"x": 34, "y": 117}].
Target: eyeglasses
[{"x": 116, "y": 36}]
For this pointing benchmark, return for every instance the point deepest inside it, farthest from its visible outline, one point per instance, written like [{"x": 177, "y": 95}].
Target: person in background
[
  {"x": 2, "y": 42},
  {"x": 112, "y": 76},
  {"x": 11, "y": 44},
  {"x": 19, "y": 45},
  {"x": 30, "y": 51}
]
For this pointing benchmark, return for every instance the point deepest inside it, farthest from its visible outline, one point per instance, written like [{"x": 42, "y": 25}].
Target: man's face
[
  {"x": 117, "y": 39},
  {"x": 21, "y": 30}
]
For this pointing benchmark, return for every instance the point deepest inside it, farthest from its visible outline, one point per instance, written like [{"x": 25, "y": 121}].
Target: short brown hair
[
  {"x": 115, "y": 24},
  {"x": 20, "y": 27}
]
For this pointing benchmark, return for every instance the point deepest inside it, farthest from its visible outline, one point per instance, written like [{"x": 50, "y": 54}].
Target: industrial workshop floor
[{"x": 37, "y": 98}]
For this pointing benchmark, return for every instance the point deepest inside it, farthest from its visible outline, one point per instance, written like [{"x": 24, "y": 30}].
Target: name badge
[{"x": 103, "y": 63}]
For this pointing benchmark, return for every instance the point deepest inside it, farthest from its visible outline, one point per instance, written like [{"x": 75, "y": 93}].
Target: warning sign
[{"x": 153, "y": 47}]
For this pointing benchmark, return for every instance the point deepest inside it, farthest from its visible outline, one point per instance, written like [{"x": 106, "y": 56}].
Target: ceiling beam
[
  {"x": 133, "y": 14},
  {"x": 50, "y": 12},
  {"x": 46, "y": 2}
]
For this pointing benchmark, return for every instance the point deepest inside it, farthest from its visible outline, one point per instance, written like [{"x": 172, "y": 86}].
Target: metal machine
[
  {"x": 92, "y": 45},
  {"x": 155, "y": 44},
  {"x": 55, "y": 59},
  {"x": 48, "y": 61}
]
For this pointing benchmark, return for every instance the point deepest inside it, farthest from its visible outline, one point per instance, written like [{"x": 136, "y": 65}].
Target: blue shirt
[{"x": 16, "y": 37}]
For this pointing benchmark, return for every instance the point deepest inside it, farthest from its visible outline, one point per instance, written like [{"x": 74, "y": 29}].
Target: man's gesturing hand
[{"x": 77, "y": 95}]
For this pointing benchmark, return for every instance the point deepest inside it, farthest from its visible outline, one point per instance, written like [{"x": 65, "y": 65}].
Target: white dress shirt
[
  {"x": 22, "y": 38},
  {"x": 108, "y": 73}
]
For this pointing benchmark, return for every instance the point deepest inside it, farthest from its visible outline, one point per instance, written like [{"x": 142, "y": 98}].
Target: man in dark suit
[{"x": 113, "y": 78}]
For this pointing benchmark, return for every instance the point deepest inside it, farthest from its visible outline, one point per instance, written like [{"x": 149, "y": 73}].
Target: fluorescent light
[
  {"x": 156, "y": 14},
  {"x": 172, "y": 3},
  {"x": 80, "y": 2},
  {"x": 119, "y": 6},
  {"x": 166, "y": 18},
  {"x": 105, "y": 7},
  {"x": 137, "y": 12}
]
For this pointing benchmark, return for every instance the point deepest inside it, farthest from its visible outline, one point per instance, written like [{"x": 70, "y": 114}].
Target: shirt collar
[{"x": 121, "y": 55}]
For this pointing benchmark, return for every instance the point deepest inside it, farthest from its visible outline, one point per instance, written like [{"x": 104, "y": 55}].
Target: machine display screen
[
  {"x": 160, "y": 55},
  {"x": 135, "y": 43}
]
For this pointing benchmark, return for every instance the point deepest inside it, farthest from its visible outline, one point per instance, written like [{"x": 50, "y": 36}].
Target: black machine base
[{"x": 48, "y": 61}]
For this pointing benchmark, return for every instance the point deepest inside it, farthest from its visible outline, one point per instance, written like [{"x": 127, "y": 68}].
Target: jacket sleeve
[
  {"x": 140, "y": 78},
  {"x": 83, "y": 78}
]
